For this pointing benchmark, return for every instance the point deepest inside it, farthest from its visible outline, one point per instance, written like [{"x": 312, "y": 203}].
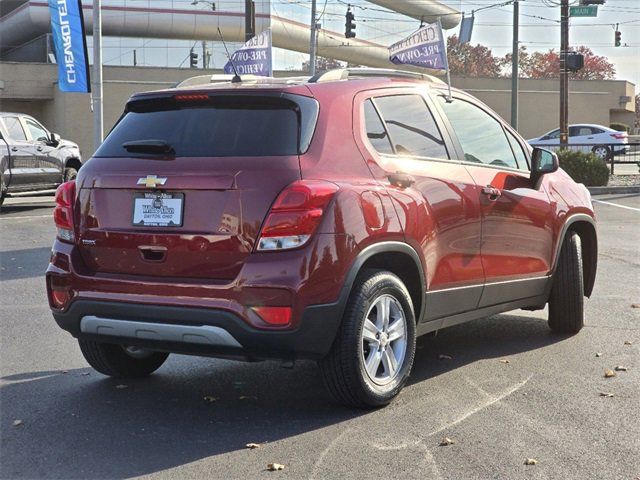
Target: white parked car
[{"x": 603, "y": 141}]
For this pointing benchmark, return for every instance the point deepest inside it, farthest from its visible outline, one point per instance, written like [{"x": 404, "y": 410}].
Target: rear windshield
[{"x": 222, "y": 126}]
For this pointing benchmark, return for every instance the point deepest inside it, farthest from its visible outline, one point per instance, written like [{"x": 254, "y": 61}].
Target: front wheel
[
  {"x": 121, "y": 361},
  {"x": 373, "y": 352},
  {"x": 602, "y": 152},
  {"x": 566, "y": 303}
]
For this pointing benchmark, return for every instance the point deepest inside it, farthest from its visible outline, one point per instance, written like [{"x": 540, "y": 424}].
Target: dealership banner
[
  {"x": 254, "y": 58},
  {"x": 424, "y": 48},
  {"x": 70, "y": 45}
]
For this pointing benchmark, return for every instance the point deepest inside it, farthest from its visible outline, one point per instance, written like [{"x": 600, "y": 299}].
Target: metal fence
[{"x": 613, "y": 153}]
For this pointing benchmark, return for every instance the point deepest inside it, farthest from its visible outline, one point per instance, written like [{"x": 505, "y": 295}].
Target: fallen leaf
[
  {"x": 444, "y": 357},
  {"x": 446, "y": 441},
  {"x": 606, "y": 394},
  {"x": 609, "y": 373},
  {"x": 247, "y": 397},
  {"x": 17, "y": 423},
  {"x": 251, "y": 446},
  {"x": 65, "y": 371},
  {"x": 272, "y": 467},
  {"x": 627, "y": 342},
  {"x": 530, "y": 461},
  {"x": 210, "y": 399},
  {"x": 598, "y": 354},
  {"x": 120, "y": 387},
  {"x": 504, "y": 360},
  {"x": 633, "y": 305},
  {"x": 620, "y": 368}
]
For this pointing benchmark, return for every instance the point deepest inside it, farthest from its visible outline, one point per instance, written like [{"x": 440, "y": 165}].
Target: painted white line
[
  {"x": 616, "y": 205},
  {"x": 25, "y": 218}
]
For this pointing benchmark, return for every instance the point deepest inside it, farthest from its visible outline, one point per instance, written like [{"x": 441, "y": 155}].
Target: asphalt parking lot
[{"x": 510, "y": 391}]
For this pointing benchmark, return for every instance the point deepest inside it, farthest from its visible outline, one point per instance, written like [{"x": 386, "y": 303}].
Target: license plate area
[{"x": 158, "y": 209}]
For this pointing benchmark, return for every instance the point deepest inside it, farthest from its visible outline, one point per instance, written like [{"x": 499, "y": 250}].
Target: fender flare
[
  {"x": 366, "y": 254},
  {"x": 590, "y": 269}
]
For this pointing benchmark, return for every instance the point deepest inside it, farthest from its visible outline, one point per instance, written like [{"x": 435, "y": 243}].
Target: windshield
[{"x": 220, "y": 126}]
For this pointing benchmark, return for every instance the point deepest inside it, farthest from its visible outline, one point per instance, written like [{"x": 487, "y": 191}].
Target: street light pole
[
  {"x": 514, "y": 65},
  {"x": 96, "y": 89},
  {"x": 312, "y": 40},
  {"x": 564, "y": 74}
]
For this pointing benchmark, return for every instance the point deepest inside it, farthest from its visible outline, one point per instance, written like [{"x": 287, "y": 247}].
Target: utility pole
[
  {"x": 96, "y": 101},
  {"x": 564, "y": 73},
  {"x": 249, "y": 20},
  {"x": 312, "y": 40},
  {"x": 205, "y": 60},
  {"x": 514, "y": 65}
]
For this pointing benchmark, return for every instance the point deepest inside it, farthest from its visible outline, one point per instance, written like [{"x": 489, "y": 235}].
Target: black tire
[
  {"x": 566, "y": 302},
  {"x": 343, "y": 369},
  {"x": 113, "y": 361},
  {"x": 70, "y": 173}
]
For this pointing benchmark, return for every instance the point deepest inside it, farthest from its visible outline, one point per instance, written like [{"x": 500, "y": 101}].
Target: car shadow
[
  {"x": 80, "y": 424},
  {"x": 24, "y": 263}
]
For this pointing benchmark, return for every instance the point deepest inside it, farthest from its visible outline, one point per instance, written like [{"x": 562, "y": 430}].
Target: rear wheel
[
  {"x": 566, "y": 303},
  {"x": 373, "y": 353},
  {"x": 70, "y": 173},
  {"x": 601, "y": 152},
  {"x": 121, "y": 361}
]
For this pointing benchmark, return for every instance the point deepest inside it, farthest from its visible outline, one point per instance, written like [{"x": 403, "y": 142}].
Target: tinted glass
[
  {"x": 521, "y": 157},
  {"x": 14, "y": 128},
  {"x": 481, "y": 136},
  {"x": 376, "y": 133},
  {"x": 411, "y": 126},
  {"x": 226, "y": 127},
  {"x": 38, "y": 133},
  {"x": 579, "y": 131}
]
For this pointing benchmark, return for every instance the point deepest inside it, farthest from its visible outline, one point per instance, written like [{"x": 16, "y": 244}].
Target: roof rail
[{"x": 346, "y": 73}]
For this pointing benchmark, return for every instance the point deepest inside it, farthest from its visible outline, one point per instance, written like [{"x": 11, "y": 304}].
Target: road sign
[{"x": 584, "y": 11}]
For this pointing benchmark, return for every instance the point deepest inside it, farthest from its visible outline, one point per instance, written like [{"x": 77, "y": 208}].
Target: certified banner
[
  {"x": 424, "y": 48},
  {"x": 67, "y": 26},
  {"x": 254, "y": 58}
]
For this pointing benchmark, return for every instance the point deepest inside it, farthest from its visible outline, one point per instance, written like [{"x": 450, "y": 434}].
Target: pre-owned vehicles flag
[
  {"x": 67, "y": 26},
  {"x": 424, "y": 48},
  {"x": 253, "y": 58}
]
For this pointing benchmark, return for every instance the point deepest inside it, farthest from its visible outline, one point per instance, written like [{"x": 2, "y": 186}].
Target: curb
[{"x": 609, "y": 190}]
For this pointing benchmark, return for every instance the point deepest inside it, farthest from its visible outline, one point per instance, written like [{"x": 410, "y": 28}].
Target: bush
[
  {"x": 621, "y": 127},
  {"x": 584, "y": 167}
]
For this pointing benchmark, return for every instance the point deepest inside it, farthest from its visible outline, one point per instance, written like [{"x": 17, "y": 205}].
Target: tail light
[
  {"x": 63, "y": 213},
  {"x": 59, "y": 290},
  {"x": 619, "y": 136},
  {"x": 296, "y": 214}
]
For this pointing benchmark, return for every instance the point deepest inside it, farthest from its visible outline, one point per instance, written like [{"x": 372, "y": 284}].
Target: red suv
[{"x": 334, "y": 218}]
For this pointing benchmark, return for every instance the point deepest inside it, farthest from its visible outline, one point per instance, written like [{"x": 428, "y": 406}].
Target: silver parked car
[{"x": 603, "y": 141}]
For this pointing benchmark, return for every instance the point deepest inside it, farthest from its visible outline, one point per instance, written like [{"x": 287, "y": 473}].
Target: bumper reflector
[{"x": 280, "y": 316}]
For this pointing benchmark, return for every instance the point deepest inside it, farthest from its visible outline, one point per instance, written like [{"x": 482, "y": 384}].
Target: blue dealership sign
[
  {"x": 67, "y": 26},
  {"x": 253, "y": 58},
  {"x": 424, "y": 48}
]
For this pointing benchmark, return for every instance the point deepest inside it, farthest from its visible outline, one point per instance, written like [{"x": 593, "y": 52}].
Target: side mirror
[
  {"x": 54, "y": 139},
  {"x": 542, "y": 162}
]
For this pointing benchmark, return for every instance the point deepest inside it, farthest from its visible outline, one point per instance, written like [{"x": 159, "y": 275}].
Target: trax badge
[{"x": 151, "y": 181}]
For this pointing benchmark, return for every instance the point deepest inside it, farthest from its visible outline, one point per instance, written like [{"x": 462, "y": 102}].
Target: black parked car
[{"x": 31, "y": 158}]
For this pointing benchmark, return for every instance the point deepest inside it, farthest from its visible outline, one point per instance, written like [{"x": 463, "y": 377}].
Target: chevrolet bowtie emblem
[{"x": 151, "y": 181}]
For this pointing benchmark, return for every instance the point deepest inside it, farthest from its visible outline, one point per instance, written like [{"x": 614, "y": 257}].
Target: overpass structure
[{"x": 29, "y": 20}]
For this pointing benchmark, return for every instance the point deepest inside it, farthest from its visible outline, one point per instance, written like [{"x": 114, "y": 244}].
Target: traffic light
[
  {"x": 350, "y": 25},
  {"x": 618, "y": 38},
  {"x": 193, "y": 59}
]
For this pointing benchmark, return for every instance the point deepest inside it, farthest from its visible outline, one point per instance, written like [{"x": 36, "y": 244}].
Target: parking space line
[
  {"x": 616, "y": 205},
  {"x": 25, "y": 217}
]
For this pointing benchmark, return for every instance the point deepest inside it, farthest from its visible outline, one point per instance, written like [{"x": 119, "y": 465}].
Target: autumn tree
[
  {"x": 472, "y": 61},
  {"x": 547, "y": 65},
  {"x": 323, "y": 64}
]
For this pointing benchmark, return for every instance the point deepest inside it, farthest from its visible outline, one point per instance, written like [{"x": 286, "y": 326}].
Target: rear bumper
[{"x": 198, "y": 331}]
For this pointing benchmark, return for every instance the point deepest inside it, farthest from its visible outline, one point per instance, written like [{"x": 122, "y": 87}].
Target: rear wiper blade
[{"x": 148, "y": 146}]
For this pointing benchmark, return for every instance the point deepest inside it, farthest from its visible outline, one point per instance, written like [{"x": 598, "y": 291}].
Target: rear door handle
[
  {"x": 14, "y": 149},
  {"x": 39, "y": 149},
  {"x": 492, "y": 192},
  {"x": 401, "y": 180}
]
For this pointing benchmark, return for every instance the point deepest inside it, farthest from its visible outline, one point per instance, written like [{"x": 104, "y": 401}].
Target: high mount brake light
[
  {"x": 63, "y": 213},
  {"x": 191, "y": 97},
  {"x": 296, "y": 214}
]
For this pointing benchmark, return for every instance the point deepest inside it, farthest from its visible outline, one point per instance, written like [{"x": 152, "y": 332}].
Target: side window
[
  {"x": 38, "y": 133},
  {"x": 411, "y": 126},
  {"x": 14, "y": 128},
  {"x": 376, "y": 132},
  {"x": 521, "y": 157},
  {"x": 554, "y": 134},
  {"x": 481, "y": 136}
]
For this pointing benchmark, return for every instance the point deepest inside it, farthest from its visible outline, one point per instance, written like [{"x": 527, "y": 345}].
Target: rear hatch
[{"x": 183, "y": 182}]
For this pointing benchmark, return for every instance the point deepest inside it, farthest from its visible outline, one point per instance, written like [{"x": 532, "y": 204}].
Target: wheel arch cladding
[
  {"x": 72, "y": 162},
  {"x": 401, "y": 260},
  {"x": 589, "y": 241}
]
